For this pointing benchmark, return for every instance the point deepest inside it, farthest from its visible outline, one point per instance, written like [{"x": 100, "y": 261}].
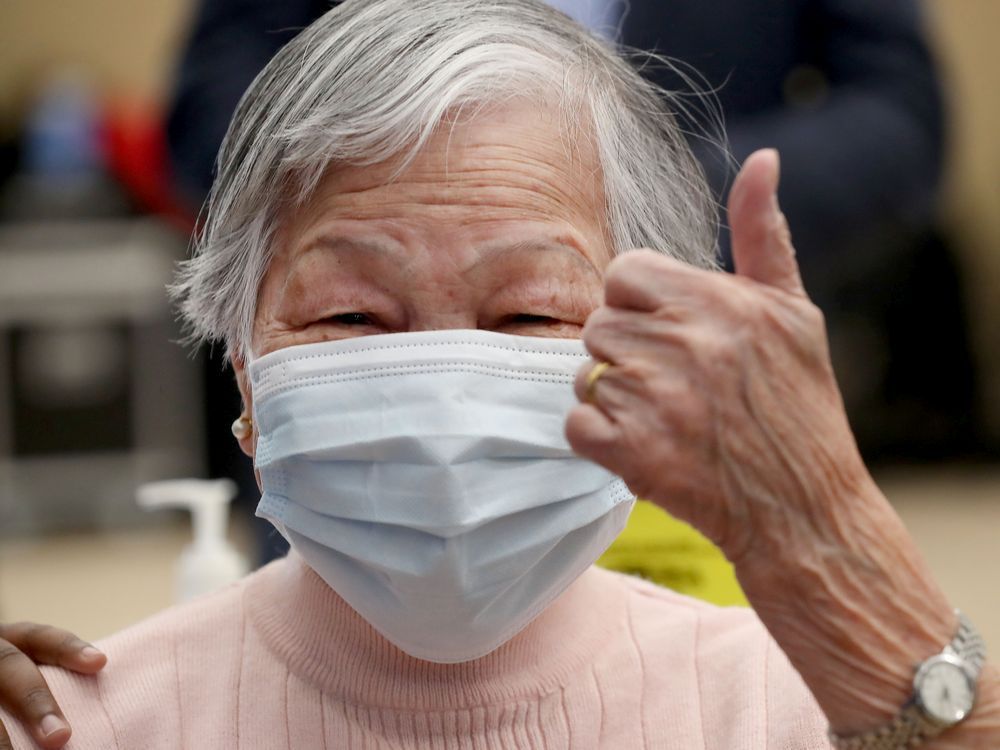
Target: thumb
[{"x": 762, "y": 244}]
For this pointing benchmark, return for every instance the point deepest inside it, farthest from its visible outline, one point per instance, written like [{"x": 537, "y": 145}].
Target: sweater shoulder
[
  {"x": 744, "y": 682},
  {"x": 657, "y": 600},
  {"x": 723, "y": 636},
  {"x": 147, "y": 640},
  {"x": 135, "y": 700}
]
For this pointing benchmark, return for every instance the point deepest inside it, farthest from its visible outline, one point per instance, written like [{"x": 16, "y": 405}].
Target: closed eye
[
  {"x": 531, "y": 324},
  {"x": 352, "y": 319},
  {"x": 527, "y": 319}
]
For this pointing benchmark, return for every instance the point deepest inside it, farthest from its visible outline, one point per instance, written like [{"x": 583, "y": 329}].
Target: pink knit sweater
[{"x": 280, "y": 661}]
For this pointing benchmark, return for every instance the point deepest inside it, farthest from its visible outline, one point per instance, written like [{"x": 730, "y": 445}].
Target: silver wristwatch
[{"x": 944, "y": 692}]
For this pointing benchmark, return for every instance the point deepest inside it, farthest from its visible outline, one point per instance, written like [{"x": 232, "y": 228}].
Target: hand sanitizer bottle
[{"x": 210, "y": 561}]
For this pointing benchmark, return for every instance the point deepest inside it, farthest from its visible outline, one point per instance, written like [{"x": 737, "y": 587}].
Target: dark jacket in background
[{"x": 845, "y": 89}]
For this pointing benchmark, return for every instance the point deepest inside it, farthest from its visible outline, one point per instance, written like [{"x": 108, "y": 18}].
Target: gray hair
[{"x": 372, "y": 79}]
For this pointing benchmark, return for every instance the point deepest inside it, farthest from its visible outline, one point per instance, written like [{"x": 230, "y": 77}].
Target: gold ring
[{"x": 592, "y": 377}]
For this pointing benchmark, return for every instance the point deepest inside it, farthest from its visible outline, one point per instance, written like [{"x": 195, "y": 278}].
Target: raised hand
[{"x": 719, "y": 403}]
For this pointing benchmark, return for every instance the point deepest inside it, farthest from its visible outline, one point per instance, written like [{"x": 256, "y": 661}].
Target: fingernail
[
  {"x": 52, "y": 724},
  {"x": 89, "y": 652}
]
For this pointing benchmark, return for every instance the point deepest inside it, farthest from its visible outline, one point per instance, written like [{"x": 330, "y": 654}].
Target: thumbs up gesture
[
  {"x": 712, "y": 395},
  {"x": 719, "y": 402}
]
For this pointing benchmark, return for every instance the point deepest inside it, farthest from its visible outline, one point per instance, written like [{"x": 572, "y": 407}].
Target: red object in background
[{"x": 135, "y": 150}]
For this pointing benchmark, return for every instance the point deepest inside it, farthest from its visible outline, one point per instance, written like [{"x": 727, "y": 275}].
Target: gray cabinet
[{"x": 96, "y": 396}]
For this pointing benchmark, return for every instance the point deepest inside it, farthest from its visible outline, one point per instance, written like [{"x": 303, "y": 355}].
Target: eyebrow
[
  {"x": 500, "y": 249},
  {"x": 336, "y": 242},
  {"x": 490, "y": 251}
]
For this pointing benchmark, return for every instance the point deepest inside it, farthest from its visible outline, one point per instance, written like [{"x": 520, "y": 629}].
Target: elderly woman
[{"x": 458, "y": 374}]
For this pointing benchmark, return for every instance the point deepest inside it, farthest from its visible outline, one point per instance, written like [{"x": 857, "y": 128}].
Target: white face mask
[{"x": 426, "y": 478}]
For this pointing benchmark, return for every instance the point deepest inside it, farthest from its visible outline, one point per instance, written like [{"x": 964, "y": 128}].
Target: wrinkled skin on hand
[{"x": 721, "y": 404}]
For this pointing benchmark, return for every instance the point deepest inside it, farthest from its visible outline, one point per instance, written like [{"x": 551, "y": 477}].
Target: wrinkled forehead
[{"x": 475, "y": 175}]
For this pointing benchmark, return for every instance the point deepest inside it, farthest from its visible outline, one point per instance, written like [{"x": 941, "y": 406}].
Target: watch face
[{"x": 944, "y": 690}]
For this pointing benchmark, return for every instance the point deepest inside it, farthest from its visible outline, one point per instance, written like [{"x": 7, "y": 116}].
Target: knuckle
[
  {"x": 596, "y": 323},
  {"x": 782, "y": 230},
  {"x": 671, "y": 313},
  {"x": 633, "y": 373},
  {"x": 733, "y": 297},
  {"x": 9, "y": 653},
  {"x": 721, "y": 354},
  {"x": 667, "y": 395},
  {"x": 691, "y": 347},
  {"x": 645, "y": 261},
  {"x": 814, "y": 316},
  {"x": 577, "y": 434},
  {"x": 38, "y": 699},
  {"x": 644, "y": 257},
  {"x": 68, "y": 643},
  {"x": 623, "y": 266},
  {"x": 33, "y": 632},
  {"x": 615, "y": 284}
]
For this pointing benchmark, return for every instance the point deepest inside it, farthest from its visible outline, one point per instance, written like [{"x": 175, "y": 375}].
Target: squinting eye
[
  {"x": 351, "y": 319},
  {"x": 529, "y": 319},
  {"x": 531, "y": 324}
]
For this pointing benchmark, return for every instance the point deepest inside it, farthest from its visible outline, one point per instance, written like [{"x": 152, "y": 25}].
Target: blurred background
[{"x": 98, "y": 197}]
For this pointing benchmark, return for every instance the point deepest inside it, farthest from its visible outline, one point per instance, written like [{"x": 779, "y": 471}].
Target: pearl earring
[{"x": 242, "y": 427}]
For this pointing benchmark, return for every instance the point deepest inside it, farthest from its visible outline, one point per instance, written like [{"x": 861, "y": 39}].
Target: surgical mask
[{"x": 427, "y": 479}]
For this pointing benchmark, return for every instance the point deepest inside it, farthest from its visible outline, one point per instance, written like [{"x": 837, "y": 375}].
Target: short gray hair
[{"x": 372, "y": 79}]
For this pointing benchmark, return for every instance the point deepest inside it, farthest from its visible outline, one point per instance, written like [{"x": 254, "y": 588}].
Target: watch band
[
  {"x": 969, "y": 645},
  {"x": 910, "y": 727}
]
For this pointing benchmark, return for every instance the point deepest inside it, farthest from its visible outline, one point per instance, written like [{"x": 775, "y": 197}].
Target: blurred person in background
[
  {"x": 421, "y": 208},
  {"x": 846, "y": 90}
]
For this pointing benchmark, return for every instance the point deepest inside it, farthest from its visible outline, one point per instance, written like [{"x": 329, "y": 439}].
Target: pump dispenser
[{"x": 210, "y": 561}]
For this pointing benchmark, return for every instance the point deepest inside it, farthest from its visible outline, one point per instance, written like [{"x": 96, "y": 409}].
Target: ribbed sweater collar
[{"x": 325, "y": 642}]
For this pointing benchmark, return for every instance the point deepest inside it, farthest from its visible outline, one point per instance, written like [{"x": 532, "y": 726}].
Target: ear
[{"x": 248, "y": 443}]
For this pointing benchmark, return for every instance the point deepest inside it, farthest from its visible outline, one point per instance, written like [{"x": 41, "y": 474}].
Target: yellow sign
[{"x": 661, "y": 549}]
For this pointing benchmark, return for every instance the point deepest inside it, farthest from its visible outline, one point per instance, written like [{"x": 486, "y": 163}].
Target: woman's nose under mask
[{"x": 426, "y": 478}]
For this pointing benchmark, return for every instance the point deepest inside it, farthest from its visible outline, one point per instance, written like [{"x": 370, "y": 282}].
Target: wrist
[
  {"x": 982, "y": 728},
  {"x": 943, "y": 696},
  {"x": 851, "y": 602}
]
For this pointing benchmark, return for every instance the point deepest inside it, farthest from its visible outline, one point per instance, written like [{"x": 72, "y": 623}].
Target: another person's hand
[{"x": 23, "y": 690}]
